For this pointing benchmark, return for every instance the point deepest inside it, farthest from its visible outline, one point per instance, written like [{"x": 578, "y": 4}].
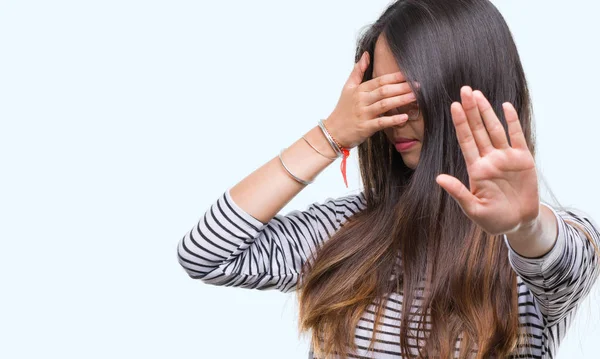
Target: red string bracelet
[{"x": 345, "y": 153}]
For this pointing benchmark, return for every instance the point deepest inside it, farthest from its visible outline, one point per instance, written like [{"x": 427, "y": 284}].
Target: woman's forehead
[{"x": 384, "y": 61}]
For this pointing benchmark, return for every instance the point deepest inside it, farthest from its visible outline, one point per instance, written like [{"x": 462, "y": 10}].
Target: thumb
[
  {"x": 457, "y": 190},
  {"x": 358, "y": 71}
]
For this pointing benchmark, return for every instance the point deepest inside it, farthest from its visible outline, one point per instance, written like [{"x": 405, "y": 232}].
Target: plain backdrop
[{"x": 122, "y": 121}]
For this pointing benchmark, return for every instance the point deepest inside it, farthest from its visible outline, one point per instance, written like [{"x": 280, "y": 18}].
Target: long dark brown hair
[{"x": 468, "y": 286}]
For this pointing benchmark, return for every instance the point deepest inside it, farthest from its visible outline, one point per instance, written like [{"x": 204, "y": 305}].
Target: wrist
[
  {"x": 529, "y": 229},
  {"x": 533, "y": 227},
  {"x": 537, "y": 237},
  {"x": 335, "y": 134}
]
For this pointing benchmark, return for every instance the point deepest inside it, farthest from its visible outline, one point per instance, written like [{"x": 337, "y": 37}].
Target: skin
[
  {"x": 502, "y": 197},
  {"x": 385, "y": 63}
]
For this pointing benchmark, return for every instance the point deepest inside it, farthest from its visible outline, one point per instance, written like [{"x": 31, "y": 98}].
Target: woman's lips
[{"x": 405, "y": 145}]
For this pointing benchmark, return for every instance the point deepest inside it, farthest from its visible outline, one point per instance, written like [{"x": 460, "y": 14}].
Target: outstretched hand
[{"x": 503, "y": 195}]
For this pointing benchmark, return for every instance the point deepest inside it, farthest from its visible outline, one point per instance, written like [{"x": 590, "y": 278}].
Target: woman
[{"x": 448, "y": 251}]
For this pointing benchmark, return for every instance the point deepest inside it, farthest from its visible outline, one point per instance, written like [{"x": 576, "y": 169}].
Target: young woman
[{"x": 449, "y": 250}]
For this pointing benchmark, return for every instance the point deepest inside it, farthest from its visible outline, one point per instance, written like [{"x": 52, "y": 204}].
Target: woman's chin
[{"x": 410, "y": 159}]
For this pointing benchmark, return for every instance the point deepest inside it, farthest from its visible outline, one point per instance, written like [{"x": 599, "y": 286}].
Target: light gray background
[{"x": 122, "y": 121}]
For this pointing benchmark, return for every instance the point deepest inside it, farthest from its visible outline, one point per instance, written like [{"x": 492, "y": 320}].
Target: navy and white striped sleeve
[
  {"x": 562, "y": 278},
  {"x": 229, "y": 247}
]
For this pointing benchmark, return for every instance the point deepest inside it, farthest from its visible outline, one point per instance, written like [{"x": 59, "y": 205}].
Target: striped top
[{"x": 229, "y": 247}]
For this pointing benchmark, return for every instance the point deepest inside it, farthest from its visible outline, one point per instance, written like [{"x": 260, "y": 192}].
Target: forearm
[
  {"x": 561, "y": 271},
  {"x": 539, "y": 238},
  {"x": 264, "y": 192}
]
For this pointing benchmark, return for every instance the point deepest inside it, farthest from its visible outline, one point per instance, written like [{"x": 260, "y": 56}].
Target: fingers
[
  {"x": 385, "y": 91},
  {"x": 492, "y": 123},
  {"x": 382, "y": 122},
  {"x": 515, "y": 132},
  {"x": 478, "y": 129},
  {"x": 388, "y": 103},
  {"x": 464, "y": 134},
  {"x": 358, "y": 72},
  {"x": 457, "y": 190},
  {"x": 480, "y": 133},
  {"x": 382, "y": 80}
]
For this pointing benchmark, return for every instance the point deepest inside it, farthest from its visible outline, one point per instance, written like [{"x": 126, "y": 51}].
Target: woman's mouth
[{"x": 405, "y": 145}]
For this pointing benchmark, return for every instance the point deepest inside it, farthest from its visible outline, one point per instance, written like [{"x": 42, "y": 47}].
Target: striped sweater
[{"x": 229, "y": 247}]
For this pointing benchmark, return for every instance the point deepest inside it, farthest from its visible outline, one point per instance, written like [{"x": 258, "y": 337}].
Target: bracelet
[
  {"x": 319, "y": 152},
  {"x": 291, "y": 174},
  {"x": 339, "y": 150},
  {"x": 332, "y": 142}
]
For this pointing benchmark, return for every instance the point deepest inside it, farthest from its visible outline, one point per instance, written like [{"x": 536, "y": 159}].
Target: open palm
[{"x": 503, "y": 194}]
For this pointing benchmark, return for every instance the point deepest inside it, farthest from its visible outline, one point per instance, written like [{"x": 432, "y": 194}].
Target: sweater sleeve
[
  {"x": 560, "y": 279},
  {"x": 229, "y": 247}
]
